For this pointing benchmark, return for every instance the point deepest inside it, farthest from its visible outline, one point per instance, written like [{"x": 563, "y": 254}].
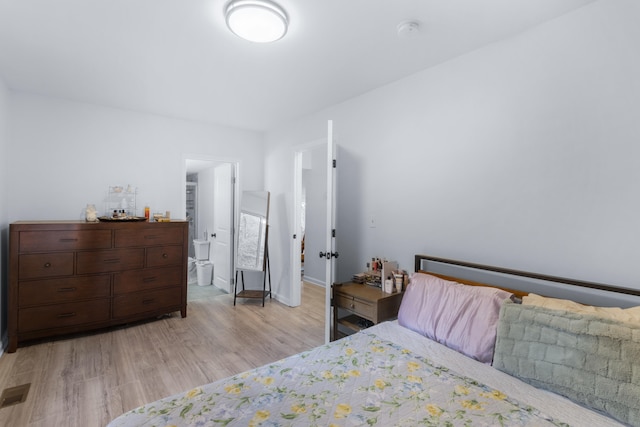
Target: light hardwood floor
[{"x": 90, "y": 379}]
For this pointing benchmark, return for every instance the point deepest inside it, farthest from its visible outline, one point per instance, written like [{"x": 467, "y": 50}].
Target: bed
[{"x": 503, "y": 362}]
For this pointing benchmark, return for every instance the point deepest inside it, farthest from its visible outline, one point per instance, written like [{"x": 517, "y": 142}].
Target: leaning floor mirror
[{"x": 252, "y": 242}]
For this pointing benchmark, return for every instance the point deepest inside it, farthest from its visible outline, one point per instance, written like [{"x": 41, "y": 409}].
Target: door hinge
[
  {"x": 335, "y": 162},
  {"x": 295, "y": 236},
  {"x": 333, "y": 233}
]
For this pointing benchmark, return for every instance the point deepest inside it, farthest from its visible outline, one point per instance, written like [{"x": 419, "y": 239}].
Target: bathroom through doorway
[{"x": 210, "y": 205}]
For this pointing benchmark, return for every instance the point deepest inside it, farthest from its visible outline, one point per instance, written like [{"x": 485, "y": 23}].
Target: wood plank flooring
[{"x": 90, "y": 379}]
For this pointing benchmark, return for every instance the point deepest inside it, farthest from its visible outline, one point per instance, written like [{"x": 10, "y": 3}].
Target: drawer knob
[
  {"x": 352, "y": 305},
  {"x": 165, "y": 255},
  {"x": 47, "y": 265},
  {"x": 147, "y": 301},
  {"x": 149, "y": 279},
  {"x": 66, "y": 289}
]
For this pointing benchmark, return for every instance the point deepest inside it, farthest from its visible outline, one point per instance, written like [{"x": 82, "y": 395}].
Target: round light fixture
[{"x": 259, "y": 21}]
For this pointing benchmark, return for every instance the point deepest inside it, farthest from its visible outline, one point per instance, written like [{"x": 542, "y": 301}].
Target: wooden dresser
[{"x": 73, "y": 276}]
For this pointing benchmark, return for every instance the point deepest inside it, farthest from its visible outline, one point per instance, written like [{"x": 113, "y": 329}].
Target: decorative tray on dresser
[{"x": 74, "y": 276}]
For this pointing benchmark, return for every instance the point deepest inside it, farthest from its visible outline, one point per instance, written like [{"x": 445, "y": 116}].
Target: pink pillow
[{"x": 459, "y": 316}]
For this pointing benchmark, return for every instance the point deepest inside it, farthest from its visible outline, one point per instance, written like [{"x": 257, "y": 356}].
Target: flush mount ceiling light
[{"x": 259, "y": 21}]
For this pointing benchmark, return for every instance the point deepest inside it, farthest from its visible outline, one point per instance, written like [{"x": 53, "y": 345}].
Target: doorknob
[
  {"x": 213, "y": 235},
  {"x": 329, "y": 254}
]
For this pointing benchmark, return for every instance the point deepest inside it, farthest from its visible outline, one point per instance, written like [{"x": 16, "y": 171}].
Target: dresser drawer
[
  {"x": 37, "y": 292},
  {"x": 35, "y": 266},
  {"x": 113, "y": 260},
  {"x": 143, "y": 302},
  {"x": 150, "y": 278},
  {"x": 149, "y": 236},
  {"x": 164, "y": 255},
  {"x": 362, "y": 308},
  {"x": 43, "y": 241},
  {"x": 61, "y": 315}
]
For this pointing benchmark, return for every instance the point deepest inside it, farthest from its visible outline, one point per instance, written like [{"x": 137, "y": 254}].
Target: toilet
[{"x": 204, "y": 268}]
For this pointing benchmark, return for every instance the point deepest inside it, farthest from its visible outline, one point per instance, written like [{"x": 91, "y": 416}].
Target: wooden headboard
[{"x": 520, "y": 283}]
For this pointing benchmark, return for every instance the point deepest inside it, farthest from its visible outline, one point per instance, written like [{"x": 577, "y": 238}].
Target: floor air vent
[{"x": 14, "y": 395}]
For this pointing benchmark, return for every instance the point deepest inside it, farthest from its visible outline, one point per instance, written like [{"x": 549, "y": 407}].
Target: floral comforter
[{"x": 360, "y": 380}]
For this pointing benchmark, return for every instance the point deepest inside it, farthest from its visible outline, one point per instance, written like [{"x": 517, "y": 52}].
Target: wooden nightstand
[{"x": 357, "y": 306}]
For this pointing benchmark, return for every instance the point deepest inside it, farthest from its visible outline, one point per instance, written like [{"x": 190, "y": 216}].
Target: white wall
[
  {"x": 60, "y": 155},
  {"x": 523, "y": 154},
  {"x": 4, "y": 232},
  {"x": 66, "y": 154}
]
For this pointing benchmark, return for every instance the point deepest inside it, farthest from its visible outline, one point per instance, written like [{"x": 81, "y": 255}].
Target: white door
[
  {"x": 223, "y": 226},
  {"x": 330, "y": 241}
]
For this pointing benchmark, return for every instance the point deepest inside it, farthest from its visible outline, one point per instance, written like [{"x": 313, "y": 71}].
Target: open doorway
[
  {"x": 314, "y": 183},
  {"x": 210, "y": 206},
  {"x": 313, "y": 214},
  {"x": 309, "y": 221}
]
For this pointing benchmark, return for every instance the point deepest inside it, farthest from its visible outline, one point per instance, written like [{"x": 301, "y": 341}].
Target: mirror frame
[{"x": 252, "y": 234}]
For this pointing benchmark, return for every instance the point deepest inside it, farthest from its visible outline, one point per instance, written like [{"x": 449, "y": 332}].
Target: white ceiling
[{"x": 177, "y": 58}]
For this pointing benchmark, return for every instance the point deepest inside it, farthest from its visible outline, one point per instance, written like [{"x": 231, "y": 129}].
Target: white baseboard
[
  {"x": 313, "y": 281},
  {"x": 280, "y": 298}
]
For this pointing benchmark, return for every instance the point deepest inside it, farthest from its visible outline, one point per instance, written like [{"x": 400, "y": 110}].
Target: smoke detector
[{"x": 408, "y": 29}]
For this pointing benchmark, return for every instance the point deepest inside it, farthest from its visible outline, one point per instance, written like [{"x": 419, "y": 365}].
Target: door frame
[{"x": 213, "y": 160}]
